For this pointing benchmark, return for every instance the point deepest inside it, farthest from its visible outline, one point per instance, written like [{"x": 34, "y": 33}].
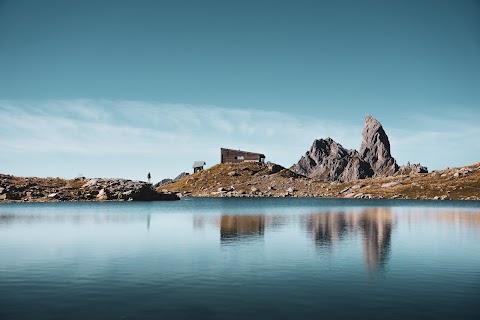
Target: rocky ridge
[
  {"x": 262, "y": 180},
  {"x": 166, "y": 181},
  {"x": 31, "y": 189},
  {"x": 329, "y": 161}
]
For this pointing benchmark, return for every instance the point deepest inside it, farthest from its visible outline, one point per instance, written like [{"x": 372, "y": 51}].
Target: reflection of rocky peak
[
  {"x": 327, "y": 228},
  {"x": 376, "y": 225},
  {"x": 375, "y": 148}
]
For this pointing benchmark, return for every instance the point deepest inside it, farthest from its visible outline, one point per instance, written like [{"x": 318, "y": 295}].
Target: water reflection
[
  {"x": 328, "y": 227},
  {"x": 241, "y": 227},
  {"x": 376, "y": 225},
  {"x": 277, "y": 260},
  {"x": 81, "y": 218},
  {"x": 368, "y": 229}
]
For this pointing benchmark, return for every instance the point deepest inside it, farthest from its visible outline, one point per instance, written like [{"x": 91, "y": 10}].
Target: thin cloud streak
[
  {"x": 170, "y": 137},
  {"x": 149, "y": 126}
]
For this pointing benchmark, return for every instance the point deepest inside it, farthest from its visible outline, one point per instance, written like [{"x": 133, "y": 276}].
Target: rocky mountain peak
[
  {"x": 328, "y": 160},
  {"x": 375, "y": 148},
  {"x": 325, "y": 148}
]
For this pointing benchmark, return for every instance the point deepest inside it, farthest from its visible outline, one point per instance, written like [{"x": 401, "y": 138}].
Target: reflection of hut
[
  {"x": 229, "y": 155},
  {"x": 198, "y": 166},
  {"x": 234, "y": 227}
]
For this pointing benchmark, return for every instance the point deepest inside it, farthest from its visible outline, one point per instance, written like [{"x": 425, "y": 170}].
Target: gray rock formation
[
  {"x": 121, "y": 189},
  {"x": 163, "y": 182},
  {"x": 79, "y": 189},
  {"x": 328, "y": 160},
  {"x": 375, "y": 149},
  {"x": 325, "y": 160},
  {"x": 356, "y": 169},
  {"x": 412, "y": 168},
  {"x": 274, "y": 168},
  {"x": 166, "y": 181}
]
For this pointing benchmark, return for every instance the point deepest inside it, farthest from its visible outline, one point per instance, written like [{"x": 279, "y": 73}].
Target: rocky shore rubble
[{"x": 79, "y": 189}]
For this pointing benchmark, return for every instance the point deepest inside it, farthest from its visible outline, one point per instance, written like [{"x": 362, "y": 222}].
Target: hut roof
[
  {"x": 198, "y": 164},
  {"x": 247, "y": 152}
]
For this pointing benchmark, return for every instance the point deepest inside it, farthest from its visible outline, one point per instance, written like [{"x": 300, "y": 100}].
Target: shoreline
[{"x": 246, "y": 180}]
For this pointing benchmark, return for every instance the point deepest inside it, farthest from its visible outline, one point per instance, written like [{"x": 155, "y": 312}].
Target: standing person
[{"x": 149, "y": 176}]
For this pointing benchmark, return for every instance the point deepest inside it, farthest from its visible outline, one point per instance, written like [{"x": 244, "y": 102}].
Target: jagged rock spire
[
  {"x": 375, "y": 148},
  {"x": 328, "y": 160}
]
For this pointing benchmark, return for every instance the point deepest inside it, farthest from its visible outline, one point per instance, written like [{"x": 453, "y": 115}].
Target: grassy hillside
[{"x": 260, "y": 180}]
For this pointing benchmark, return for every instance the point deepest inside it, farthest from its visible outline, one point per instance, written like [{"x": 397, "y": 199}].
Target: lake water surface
[{"x": 241, "y": 258}]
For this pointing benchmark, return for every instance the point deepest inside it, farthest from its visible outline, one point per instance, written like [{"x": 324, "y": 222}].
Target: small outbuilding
[
  {"x": 230, "y": 155},
  {"x": 198, "y": 166}
]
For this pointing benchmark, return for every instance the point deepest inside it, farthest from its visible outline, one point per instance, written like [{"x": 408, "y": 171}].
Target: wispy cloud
[
  {"x": 122, "y": 127},
  {"x": 170, "y": 137},
  {"x": 439, "y": 141}
]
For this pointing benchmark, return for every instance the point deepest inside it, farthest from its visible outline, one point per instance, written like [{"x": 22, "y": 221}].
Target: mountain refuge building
[{"x": 235, "y": 156}]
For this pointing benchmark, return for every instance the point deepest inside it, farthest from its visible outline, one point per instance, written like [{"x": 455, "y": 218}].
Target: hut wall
[{"x": 228, "y": 155}]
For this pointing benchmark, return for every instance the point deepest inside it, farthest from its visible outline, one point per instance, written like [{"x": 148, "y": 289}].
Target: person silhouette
[{"x": 149, "y": 176}]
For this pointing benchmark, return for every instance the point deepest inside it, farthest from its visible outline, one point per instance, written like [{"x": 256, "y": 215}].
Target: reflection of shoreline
[
  {"x": 77, "y": 219},
  {"x": 241, "y": 226}
]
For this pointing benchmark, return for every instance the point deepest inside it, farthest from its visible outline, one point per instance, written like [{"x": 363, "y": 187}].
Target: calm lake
[{"x": 241, "y": 258}]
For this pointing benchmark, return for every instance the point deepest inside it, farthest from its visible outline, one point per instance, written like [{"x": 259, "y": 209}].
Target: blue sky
[{"x": 120, "y": 88}]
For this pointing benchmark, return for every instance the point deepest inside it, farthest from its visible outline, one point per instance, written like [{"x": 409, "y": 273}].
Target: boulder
[
  {"x": 274, "y": 168},
  {"x": 90, "y": 183},
  {"x": 390, "y": 184},
  {"x": 102, "y": 194},
  {"x": 357, "y": 186}
]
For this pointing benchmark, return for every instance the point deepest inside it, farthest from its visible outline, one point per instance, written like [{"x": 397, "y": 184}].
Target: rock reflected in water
[
  {"x": 375, "y": 226},
  {"x": 241, "y": 227}
]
